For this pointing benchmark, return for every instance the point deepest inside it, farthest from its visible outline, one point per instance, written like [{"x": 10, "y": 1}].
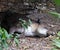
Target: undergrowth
[
  {"x": 6, "y": 38},
  {"x": 56, "y": 42}
]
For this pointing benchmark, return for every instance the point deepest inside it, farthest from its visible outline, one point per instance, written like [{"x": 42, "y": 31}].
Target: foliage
[
  {"x": 55, "y": 14},
  {"x": 15, "y": 39},
  {"x": 24, "y": 23},
  {"x": 56, "y": 42},
  {"x": 4, "y": 37},
  {"x": 57, "y": 2}
]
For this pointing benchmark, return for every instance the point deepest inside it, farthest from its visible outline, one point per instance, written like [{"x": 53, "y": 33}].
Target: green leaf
[
  {"x": 30, "y": 22},
  {"x": 56, "y": 42},
  {"x": 16, "y": 41},
  {"x": 55, "y": 14},
  {"x": 54, "y": 49},
  {"x": 6, "y": 33},
  {"x": 10, "y": 35},
  {"x": 58, "y": 34},
  {"x": 5, "y": 45},
  {"x": 1, "y": 31},
  {"x": 25, "y": 26}
]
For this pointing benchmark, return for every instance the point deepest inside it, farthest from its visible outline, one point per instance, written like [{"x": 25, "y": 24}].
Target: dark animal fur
[{"x": 9, "y": 19}]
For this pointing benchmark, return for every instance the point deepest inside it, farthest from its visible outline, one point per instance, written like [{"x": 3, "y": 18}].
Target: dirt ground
[{"x": 29, "y": 43}]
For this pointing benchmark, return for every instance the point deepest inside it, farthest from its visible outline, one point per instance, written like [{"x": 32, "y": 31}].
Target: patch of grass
[
  {"x": 57, "y": 2},
  {"x": 56, "y": 42}
]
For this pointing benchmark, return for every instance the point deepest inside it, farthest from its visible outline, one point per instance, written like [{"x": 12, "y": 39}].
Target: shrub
[
  {"x": 56, "y": 42},
  {"x": 4, "y": 37}
]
